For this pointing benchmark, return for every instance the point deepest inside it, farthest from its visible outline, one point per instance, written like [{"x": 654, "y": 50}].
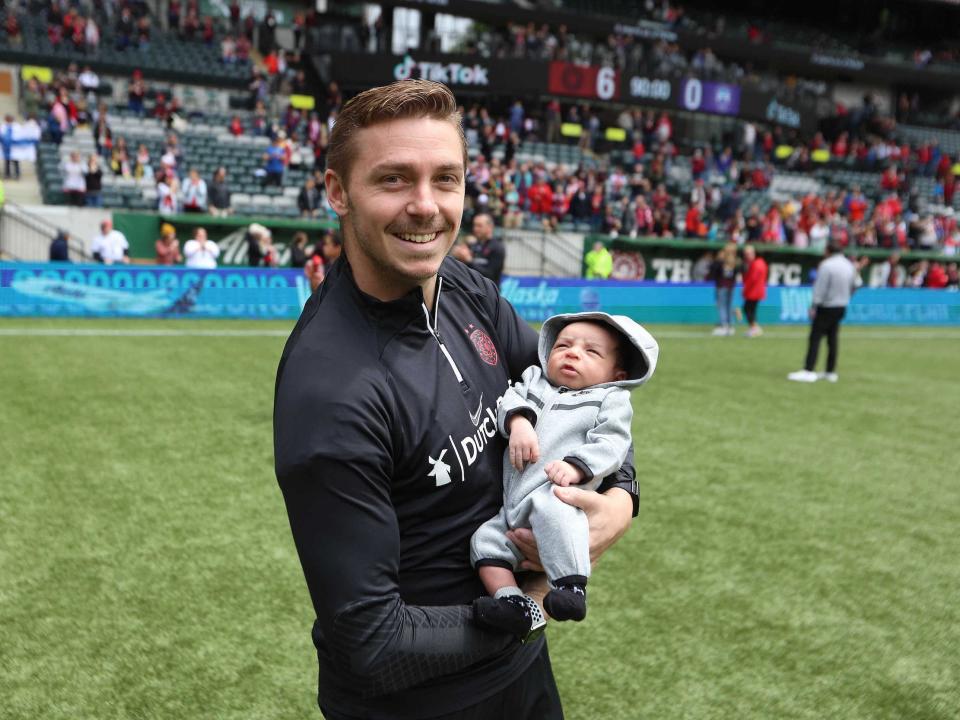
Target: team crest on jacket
[{"x": 484, "y": 345}]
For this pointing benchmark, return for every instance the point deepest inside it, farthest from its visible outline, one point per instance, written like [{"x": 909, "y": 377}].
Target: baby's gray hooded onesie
[{"x": 589, "y": 428}]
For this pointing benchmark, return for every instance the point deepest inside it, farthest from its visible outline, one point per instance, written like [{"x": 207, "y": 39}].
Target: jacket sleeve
[
  {"x": 608, "y": 442},
  {"x": 519, "y": 399},
  {"x": 336, "y": 484}
]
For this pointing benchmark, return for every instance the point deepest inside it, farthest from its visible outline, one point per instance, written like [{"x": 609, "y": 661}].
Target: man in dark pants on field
[
  {"x": 487, "y": 254},
  {"x": 837, "y": 278},
  {"x": 384, "y": 444}
]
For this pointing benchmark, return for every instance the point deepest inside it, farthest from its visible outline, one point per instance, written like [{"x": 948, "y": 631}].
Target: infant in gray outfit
[{"x": 568, "y": 423}]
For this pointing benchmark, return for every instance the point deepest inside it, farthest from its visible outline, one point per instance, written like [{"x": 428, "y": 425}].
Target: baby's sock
[{"x": 568, "y": 599}]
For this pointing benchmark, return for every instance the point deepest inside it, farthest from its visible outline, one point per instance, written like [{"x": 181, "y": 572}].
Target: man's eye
[
  {"x": 452, "y": 179},
  {"x": 392, "y": 179}
]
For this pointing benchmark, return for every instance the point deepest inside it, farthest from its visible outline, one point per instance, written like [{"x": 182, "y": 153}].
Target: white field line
[{"x": 794, "y": 334}]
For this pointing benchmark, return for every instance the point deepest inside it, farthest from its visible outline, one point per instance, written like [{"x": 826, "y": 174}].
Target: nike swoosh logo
[{"x": 475, "y": 417}]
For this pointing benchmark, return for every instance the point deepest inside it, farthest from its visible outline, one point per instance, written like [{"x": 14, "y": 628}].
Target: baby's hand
[
  {"x": 524, "y": 445},
  {"x": 563, "y": 473}
]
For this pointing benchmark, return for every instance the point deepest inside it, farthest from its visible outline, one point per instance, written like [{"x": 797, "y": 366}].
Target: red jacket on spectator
[
  {"x": 540, "y": 197},
  {"x": 936, "y": 277},
  {"x": 755, "y": 280},
  {"x": 889, "y": 180}
]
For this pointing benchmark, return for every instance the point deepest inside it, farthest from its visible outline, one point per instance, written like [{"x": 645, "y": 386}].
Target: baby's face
[{"x": 584, "y": 354}]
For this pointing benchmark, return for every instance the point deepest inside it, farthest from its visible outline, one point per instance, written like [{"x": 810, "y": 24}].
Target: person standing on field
[
  {"x": 837, "y": 278},
  {"x": 754, "y": 287}
]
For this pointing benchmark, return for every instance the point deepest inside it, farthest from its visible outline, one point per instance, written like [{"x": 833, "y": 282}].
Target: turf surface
[{"x": 797, "y": 553}]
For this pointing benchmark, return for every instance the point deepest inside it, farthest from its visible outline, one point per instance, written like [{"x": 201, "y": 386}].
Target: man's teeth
[{"x": 417, "y": 238}]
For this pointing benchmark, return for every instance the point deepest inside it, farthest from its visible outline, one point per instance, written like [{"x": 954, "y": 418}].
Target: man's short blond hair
[{"x": 400, "y": 100}]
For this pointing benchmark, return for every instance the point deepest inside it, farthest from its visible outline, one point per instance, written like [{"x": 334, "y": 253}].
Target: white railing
[
  {"x": 26, "y": 237},
  {"x": 533, "y": 252}
]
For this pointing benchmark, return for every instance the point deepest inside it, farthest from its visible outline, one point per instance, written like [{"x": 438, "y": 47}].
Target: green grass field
[{"x": 797, "y": 553}]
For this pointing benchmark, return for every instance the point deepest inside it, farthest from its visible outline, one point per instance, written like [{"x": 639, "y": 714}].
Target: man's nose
[{"x": 422, "y": 202}]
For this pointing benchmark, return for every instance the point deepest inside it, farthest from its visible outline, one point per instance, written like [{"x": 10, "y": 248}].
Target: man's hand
[
  {"x": 812, "y": 312},
  {"x": 608, "y": 514},
  {"x": 524, "y": 445},
  {"x": 462, "y": 253},
  {"x": 563, "y": 473}
]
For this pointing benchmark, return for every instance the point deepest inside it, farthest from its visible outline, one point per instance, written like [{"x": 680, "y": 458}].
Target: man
[
  {"x": 599, "y": 262},
  {"x": 837, "y": 278},
  {"x": 309, "y": 199},
  {"x": 406, "y": 352},
  {"x": 201, "y": 253},
  {"x": 110, "y": 246},
  {"x": 754, "y": 287},
  {"x": 486, "y": 254}
]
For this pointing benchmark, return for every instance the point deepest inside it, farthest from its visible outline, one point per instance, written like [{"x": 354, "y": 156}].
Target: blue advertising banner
[
  {"x": 55, "y": 289},
  {"x": 536, "y": 299}
]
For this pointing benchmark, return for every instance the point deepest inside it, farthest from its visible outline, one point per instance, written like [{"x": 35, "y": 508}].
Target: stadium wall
[{"x": 65, "y": 290}]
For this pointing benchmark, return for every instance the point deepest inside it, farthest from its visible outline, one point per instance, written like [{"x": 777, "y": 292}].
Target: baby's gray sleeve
[
  {"x": 607, "y": 442},
  {"x": 519, "y": 399}
]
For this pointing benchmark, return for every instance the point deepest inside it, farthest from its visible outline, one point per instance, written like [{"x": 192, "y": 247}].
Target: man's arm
[{"x": 336, "y": 483}]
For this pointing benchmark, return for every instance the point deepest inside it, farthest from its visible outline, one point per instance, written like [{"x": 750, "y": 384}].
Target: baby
[{"x": 568, "y": 423}]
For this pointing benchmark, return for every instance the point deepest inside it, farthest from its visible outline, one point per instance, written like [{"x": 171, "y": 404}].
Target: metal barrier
[
  {"x": 535, "y": 252},
  {"x": 26, "y": 237}
]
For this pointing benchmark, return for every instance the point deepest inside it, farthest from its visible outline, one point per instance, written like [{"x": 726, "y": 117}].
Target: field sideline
[{"x": 796, "y": 554}]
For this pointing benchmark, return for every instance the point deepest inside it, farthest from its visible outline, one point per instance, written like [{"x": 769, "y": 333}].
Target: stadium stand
[{"x": 539, "y": 161}]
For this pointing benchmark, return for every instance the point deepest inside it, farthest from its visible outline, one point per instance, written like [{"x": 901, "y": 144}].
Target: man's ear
[{"x": 336, "y": 192}]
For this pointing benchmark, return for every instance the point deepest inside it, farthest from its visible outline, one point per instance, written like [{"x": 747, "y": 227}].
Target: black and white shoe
[{"x": 516, "y": 614}]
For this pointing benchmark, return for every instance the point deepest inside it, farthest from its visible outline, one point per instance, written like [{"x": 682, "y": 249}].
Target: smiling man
[{"x": 384, "y": 447}]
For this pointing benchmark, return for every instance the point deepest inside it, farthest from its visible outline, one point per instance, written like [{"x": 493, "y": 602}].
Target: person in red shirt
[
  {"x": 936, "y": 277},
  {"x": 754, "y": 287},
  {"x": 540, "y": 197}
]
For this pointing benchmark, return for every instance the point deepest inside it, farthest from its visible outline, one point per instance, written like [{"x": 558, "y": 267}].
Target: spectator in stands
[
  {"x": 168, "y": 194},
  {"x": 310, "y": 200},
  {"x": 60, "y": 247},
  {"x": 220, "y": 193},
  {"x": 168, "y": 246},
  {"x": 299, "y": 250},
  {"x": 142, "y": 168},
  {"x": 195, "y": 193},
  {"x": 74, "y": 186},
  {"x": 12, "y": 26},
  {"x": 274, "y": 162},
  {"x": 91, "y": 36},
  {"x": 110, "y": 246},
  {"x": 11, "y": 167},
  {"x": 754, "y": 287},
  {"x": 136, "y": 91},
  {"x": 93, "y": 179},
  {"x": 201, "y": 253},
  {"x": 724, "y": 276},
  {"x": 120, "y": 160}
]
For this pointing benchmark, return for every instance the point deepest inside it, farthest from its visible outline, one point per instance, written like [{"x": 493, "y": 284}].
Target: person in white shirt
[
  {"x": 110, "y": 246},
  {"x": 201, "y": 253},
  {"x": 195, "y": 193}
]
